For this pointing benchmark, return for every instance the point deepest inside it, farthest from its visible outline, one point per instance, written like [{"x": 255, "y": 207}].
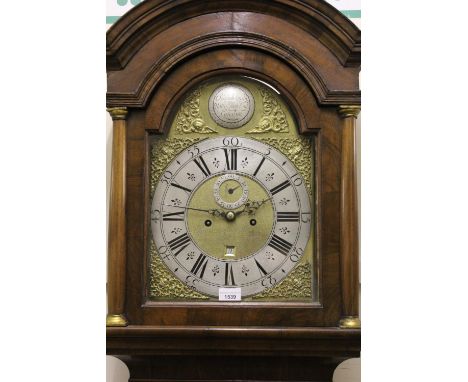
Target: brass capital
[
  {"x": 117, "y": 112},
  {"x": 116, "y": 320},
  {"x": 350, "y": 323},
  {"x": 346, "y": 111}
]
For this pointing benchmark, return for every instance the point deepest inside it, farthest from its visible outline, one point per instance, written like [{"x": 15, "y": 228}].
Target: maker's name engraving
[{"x": 231, "y": 105}]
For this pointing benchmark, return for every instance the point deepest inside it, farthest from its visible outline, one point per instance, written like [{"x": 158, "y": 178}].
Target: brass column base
[
  {"x": 116, "y": 320},
  {"x": 350, "y": 323}
]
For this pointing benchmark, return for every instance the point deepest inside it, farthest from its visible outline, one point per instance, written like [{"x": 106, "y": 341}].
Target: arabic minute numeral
[
  {"x": 193, "y": 151},
  {"x": 232, "y": 141},
  {"x": 155, "y": 215},
  {"x": 296, "y": 179},
  {"x": 305, "y": 217},
  {"x": 190, "y": 282},
  {"x": 269, "y": 281},
  {"x": 296, "y": 255},
  {"x": 167, "y": 176}
]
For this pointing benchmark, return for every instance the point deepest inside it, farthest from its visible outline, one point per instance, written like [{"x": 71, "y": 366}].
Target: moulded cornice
[
  {"x": 196, "y": 45},
  {"x": 318, "y": 18}
]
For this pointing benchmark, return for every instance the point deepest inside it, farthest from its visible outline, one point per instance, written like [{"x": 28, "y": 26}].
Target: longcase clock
[{"x": 233, "y": 238}]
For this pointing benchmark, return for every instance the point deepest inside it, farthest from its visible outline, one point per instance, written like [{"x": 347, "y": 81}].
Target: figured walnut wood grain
[
  {"x": 156, "y": 37},
  {"x": 316, "y": 17}
]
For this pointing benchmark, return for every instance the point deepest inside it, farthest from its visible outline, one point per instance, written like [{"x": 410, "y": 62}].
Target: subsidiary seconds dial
[
  {"x": 230, "y": 212},
  {"x": 230, "y": 191}
]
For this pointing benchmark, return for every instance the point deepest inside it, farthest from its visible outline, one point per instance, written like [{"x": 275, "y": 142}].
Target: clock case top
[{"x": 309, "y": 51}]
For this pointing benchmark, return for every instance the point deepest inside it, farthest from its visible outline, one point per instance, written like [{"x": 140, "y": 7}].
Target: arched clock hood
[{"x": 155, "y": 37}]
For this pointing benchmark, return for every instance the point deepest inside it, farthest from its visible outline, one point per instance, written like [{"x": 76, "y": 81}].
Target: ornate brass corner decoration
[
  {"x": 347, "y": 111},
  {"x": 164, "y": 285},
  {"x": 163, "y": 151},
  {"x": 116, "y": 320},
  {"x": 350, "y": 323},
  {"x": 117, "y": 112},
  {"x": 189, "y": 119},
  {"x": 299, "y": 151},
  {"x": 273, "y": 119},
  {"x": 296, "y": 285}
]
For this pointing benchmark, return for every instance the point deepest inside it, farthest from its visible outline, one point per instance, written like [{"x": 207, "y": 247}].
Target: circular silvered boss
[{"x": 231, "y": 105}]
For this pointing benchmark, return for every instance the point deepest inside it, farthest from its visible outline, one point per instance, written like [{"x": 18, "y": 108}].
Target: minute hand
[{"x": 213, "y": 211}]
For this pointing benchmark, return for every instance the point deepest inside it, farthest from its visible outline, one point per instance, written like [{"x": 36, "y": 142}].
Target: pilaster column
[
  {"x": 116, "y": 260},
  {"x": 349, "y": 253}
]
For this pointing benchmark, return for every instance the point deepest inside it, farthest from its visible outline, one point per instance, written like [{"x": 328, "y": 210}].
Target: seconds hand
[{"x": 231, "y": 190}]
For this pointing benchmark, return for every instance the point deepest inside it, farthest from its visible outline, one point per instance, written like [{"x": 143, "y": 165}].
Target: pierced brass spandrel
[
  {"x": 164, "y": 285},
  {"x": 163, "y": 152},
  {"x": 299, "y": 151},
  {"x": 189, "y": 119},
  {"x": 273, "y": 119},
  {"x": 296, "y": 285}
]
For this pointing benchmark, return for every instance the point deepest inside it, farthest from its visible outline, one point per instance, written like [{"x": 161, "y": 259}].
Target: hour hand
[{"x": 212, "y": 211}]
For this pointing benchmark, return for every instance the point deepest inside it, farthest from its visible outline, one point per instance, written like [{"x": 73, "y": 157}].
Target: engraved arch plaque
[{"x": 231, "y": 105}]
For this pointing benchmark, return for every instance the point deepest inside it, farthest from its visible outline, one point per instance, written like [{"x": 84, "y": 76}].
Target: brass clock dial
[{"x": 230, "y": 212}]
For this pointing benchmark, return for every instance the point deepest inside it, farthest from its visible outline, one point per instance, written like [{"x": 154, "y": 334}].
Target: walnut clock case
[{"x": 233, "y": 238}]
